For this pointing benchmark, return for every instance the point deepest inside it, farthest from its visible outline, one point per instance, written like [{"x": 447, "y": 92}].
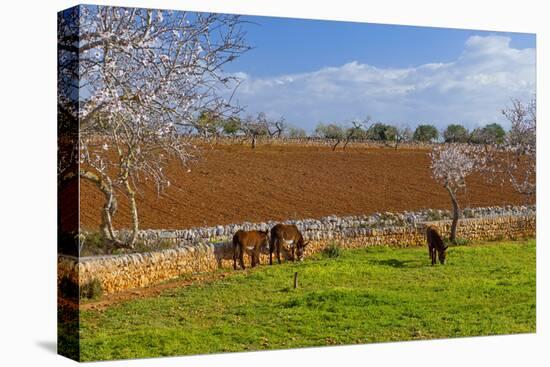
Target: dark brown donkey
[
  {"x": 250, "y": 242},
  {"x": 287, "y": 238},
  {"x": 435, "y": 244}
]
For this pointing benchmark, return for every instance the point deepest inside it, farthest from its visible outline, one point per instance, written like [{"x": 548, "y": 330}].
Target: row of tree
[
  {"x": 210, "y": 124},
  {"x": 455, "y": 133}
]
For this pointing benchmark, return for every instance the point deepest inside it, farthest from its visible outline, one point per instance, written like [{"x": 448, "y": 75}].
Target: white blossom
[
  {"x": 134, "y": 97},
  {"x": 452, "y": 163}
]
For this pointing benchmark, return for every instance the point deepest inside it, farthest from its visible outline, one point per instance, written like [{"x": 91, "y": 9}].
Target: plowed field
[{"x": 234, "y": 183}]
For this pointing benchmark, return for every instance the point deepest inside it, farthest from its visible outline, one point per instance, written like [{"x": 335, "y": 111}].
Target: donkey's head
[
  {"x": 442, "y": 254},
  {"x": 300, "y": 250}
]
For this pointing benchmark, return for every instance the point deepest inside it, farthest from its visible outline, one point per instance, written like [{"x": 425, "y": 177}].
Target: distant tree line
[{"x": 210, "y": 124}]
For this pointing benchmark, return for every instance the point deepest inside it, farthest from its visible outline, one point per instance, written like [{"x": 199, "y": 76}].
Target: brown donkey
[
  {"x": 435, "y": 244},
  {"x": 250, "y": 242},
  {"x": 287, "y": 238}
]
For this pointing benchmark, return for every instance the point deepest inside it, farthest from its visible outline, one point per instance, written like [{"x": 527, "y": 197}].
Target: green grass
[{"x": 362, "y": 296}]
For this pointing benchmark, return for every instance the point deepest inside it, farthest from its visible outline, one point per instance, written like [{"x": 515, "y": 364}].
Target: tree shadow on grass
[{"x": 395, "y": 263}]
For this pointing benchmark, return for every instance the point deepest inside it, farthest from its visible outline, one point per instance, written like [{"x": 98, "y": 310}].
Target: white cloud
[{"x": 470, "y": 90}]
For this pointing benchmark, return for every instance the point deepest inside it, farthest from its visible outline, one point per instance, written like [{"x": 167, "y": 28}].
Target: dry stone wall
[
  {"x": 330, "y": 227},
  {"x": 120, "y": 272}
]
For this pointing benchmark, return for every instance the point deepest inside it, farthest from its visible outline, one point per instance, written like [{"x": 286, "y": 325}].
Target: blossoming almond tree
[
  {"x": 451, "y": 164},
  {"x": 513, "y": 161},
  {"x": 143, "y": 77},
  {"x": 520, "y": 147}
]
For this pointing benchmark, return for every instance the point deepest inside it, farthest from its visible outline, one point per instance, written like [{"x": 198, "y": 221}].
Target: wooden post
[{"x": 295, "y": 279}]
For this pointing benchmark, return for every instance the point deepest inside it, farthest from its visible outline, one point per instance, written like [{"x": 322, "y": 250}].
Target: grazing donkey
[
  {"x": 287, "y": 238},
  {"x": 435, "y": 244},
  {"x": 250, "y": 242}
]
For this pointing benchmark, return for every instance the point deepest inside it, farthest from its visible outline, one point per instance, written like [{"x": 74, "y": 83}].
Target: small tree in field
[
  {"x": 356, "y": 131},
  {"x": 456, "y": 133},
  {"x": 451, "y": 164},
  {"x": 381, "y": 132},
  {"x": 402, "y": 134},
  {"x": 209, "y": 124},
  {"x": 255, "y": 127},
  {"x": 521, "y": 147},
  {"x": 426, "y": 133},
  {"x": 513, "y": 160},
  {"x": 277, "y": 128},
  {"x": 232, "y": 126},
  {"x": 490, "y": 134},
  {"x": 331, "y": 131},
  {"x": 296, "y": 132}
]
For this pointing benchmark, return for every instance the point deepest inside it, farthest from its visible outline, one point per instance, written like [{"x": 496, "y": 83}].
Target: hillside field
[{"x": 234, "y": 183}]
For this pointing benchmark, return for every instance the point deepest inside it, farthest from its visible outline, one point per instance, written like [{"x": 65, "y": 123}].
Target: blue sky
[{"x": 311, "y": 71}]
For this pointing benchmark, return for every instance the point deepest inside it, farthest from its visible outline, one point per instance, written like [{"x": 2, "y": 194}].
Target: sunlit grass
[{"x": 362, "y": 296}]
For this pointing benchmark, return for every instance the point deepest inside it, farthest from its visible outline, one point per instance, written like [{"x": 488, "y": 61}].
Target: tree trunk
[
  {"x": 133, "y": 207},
  {"x": 104, "y": 184},
  {"x": 346, "y": 144},
  {"x": 253, "y": 141},
  {"x": 335, "y": 145},
  {"x": 454, "y": 224}
]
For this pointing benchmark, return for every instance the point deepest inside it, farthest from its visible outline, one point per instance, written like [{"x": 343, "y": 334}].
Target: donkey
[
  {"x": 250, "y": 242},
  {"x": 288, "y": 238},
  {"x": 435, "y": 244}
]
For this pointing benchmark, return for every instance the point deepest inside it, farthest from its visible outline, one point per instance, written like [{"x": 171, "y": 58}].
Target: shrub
[
  {"x": 433, "y": 215},
  {"x": 155, "y": 246},
  {"x": 332, "y": 250},
  {"x": 91, "y": 290},
  {"x": 93, "y": 244},
  {"x": 70, "y": 290}
]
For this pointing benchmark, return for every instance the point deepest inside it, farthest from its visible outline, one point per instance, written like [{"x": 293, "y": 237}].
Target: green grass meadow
[{"x": 368, "y": 295}]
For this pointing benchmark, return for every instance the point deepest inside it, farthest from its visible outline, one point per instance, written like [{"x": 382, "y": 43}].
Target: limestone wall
[
  {"x": 119, "y": 272},
  {"x": 328, "y": 227}
]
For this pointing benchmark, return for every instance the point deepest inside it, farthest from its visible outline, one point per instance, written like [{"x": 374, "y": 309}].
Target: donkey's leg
[
  {"x": 257, "y": 256},
  {"x": 234, "y": 257},
  {"x": 241, "y": 259},
  {"x": 253, "y": 258},
  {"x": 434, "y": 256}
]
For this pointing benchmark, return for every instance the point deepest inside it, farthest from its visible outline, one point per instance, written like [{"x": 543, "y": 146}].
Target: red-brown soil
[{"x": 234, "y": 183}]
